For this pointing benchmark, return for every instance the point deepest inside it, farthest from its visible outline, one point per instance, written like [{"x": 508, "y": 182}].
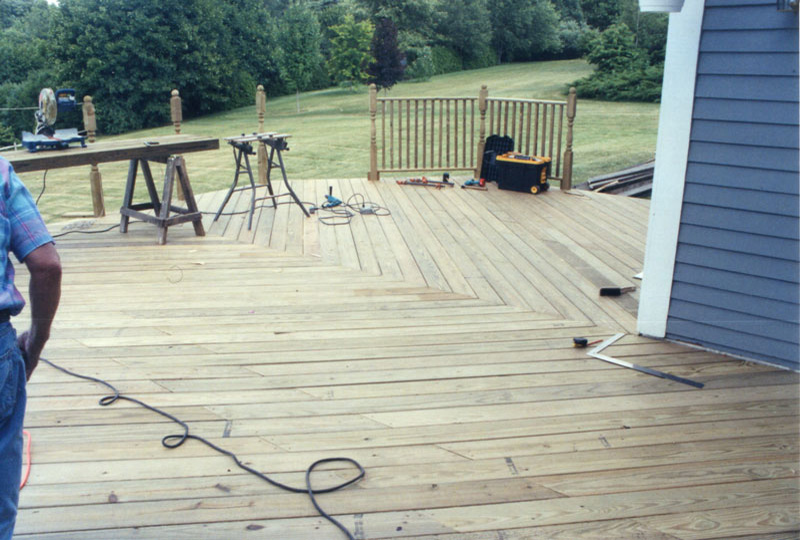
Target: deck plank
[{"x": 433, "y": 345}]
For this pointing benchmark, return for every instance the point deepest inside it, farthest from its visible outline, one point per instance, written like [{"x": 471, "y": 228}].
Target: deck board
[{"x": 433, "y": 345}]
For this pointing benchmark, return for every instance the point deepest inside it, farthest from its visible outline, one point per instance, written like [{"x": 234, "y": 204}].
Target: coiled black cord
[{"x": 176, "y": 440}]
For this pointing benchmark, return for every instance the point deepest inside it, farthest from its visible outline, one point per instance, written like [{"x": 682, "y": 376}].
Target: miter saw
[{"x": 46, "y": 136}]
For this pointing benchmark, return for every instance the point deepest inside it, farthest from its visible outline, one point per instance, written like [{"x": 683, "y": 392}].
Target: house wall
[{"x": 735, "y": 280}]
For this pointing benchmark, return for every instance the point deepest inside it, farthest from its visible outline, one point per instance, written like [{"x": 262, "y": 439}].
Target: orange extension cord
[{"x": 27, "y": 458}]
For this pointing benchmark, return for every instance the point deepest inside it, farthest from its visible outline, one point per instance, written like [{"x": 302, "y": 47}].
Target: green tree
[
  {"x": 129, "y": 54},
  {"x": 569, "y": 10},
  {"x": 350, "y": 51},
  {"x": 524, "y": 29},
  {"x": 300, "y": 54},
  {"x": 623, "y": 72},
  {"x": 26, "y": 59},
  {"x": 387, "y": 68},
  {"x": 601, "y": 13},
  {"x": 464, "y": 26}
]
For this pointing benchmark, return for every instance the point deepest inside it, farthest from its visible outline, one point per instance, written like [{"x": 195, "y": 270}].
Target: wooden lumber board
[
  {"x": 109, "y": 151},
  {"x": 415, "y": 238},
  {"x": 568, "y": 276},
  {"x": 468, "y": 518},
  {"x": 534, "y": 270},
  {"x": 430, "y": 216},
  {"x": 310, "y": 234},
  {"x": 400, "y": 251},
  {"x": 492, "y": 427},
  {"x": 577, "y": 406},
  {"x": 559, "y": 285},
  {"x": 327, "y": 234},
  {"x": 386, "y": 258},
  {"x": 500, "y": 264},
  {"x": 581, "y": 471},
  {"x": 362, "y": 244}
]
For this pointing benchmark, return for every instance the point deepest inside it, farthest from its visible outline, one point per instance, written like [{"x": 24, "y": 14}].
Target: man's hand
[{"x": 31, "y": 361}]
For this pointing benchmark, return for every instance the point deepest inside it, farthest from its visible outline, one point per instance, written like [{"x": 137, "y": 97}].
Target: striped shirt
[{"x": 21, "y": 231}]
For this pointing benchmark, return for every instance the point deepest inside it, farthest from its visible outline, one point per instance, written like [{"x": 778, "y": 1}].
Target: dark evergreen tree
[{"x": 389, "y": 64}]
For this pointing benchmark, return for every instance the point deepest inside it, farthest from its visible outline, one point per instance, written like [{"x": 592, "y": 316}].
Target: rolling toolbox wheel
[{"x": 535, "y": 190}]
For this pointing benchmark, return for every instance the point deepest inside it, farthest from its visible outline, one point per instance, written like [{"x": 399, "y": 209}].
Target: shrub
[
  {"x": 422, "y": 67},
  {"x": 445, "y": 60}
]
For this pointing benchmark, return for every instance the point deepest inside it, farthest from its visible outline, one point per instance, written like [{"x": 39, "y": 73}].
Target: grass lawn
[{"x": 330, "y": 136}]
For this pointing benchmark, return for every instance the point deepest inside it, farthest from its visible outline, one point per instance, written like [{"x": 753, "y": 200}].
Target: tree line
[{"x": 128, "y": 54}]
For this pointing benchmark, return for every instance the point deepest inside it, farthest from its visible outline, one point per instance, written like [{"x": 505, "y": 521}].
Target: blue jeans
[{"x": 12, "y": 411}]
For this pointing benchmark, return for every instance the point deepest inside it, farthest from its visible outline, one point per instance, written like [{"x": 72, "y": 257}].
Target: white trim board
[{"x": 669, "y": 177}]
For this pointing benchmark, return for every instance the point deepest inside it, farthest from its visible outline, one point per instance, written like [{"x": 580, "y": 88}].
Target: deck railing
[{"x": 449, "y": 134}]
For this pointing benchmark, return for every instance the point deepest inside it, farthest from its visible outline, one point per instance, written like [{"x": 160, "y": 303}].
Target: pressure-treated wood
[{"x": 433, "y": 345}]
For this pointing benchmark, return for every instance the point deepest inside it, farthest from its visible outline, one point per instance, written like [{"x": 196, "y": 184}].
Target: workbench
[
  {"x": 139, "y": 152},
  {"x": 108, "y": 151},
  {"x": 242, "y": 148}
]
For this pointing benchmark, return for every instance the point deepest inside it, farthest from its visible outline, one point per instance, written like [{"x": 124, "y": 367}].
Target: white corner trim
[{"x": 672, "y": 153}]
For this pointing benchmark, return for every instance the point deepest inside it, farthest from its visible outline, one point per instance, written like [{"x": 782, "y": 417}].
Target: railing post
[
  {"x": 483, "y": 96},
  {"x": 373, "y": 136},
  {"x": 566, "y": 182},
  {"x": 95, "y": 179},
  {"x": 261, "y": 109},
  {"x": 176, "y": 111}
]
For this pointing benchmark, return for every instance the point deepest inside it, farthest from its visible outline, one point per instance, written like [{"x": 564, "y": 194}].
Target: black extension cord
[{"x": 174, "y": 441}]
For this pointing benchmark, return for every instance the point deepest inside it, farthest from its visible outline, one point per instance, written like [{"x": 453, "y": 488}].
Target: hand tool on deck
[
  {"x": 595, "y": 353},
  {"x": 615, "y": 291},
  {"x": 425, "y": 182},
  {"x": 331, "y": 200},
  {"x": 581, "y": 342},
  {"x": 475, "y": 184}
]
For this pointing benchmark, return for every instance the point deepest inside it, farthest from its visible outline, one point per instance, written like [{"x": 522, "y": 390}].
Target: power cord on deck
[{"x": 174, "y": 441}]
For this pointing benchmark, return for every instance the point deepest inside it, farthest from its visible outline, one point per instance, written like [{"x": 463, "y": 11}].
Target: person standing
[{"x": 23, "y": 233}]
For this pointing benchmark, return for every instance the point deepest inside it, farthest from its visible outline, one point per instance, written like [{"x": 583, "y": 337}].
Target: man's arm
[{"x": 44, "y": 266}]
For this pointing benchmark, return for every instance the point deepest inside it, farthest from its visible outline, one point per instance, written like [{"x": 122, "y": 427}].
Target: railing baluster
[
  {"x": 528, "y": 131},
  {"x": 408, "y": 133},
  {"x": 514, "y": 122},
  {"x": 416, "y": 133},
  {"x": 391, "y": 134},
  {"x": 544, "y": 130},
  {"x": 441, "y": 120},
  {"x": 464, "y": 133},
  {"x": 552, "y": 126},
  {"x": 557, "y": 157},
  {"x": 472, "y": 137}
]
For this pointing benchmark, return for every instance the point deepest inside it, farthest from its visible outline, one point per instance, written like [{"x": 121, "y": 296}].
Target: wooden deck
[{"x": 434, "y": 346}]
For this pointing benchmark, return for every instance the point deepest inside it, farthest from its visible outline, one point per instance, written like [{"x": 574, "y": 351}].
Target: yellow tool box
[{"x": 518, "y": 172}]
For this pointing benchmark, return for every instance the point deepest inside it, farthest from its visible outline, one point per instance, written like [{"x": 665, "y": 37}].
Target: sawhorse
[
  {"x": 242, "y": 149},
  {"x": 176, "y": 167}
]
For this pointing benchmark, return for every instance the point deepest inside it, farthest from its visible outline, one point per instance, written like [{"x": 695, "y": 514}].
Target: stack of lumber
[{"x": 636, "y": 181}]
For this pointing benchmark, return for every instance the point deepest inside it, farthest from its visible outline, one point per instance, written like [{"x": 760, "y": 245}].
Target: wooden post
[
  {"x": 95, "y": 179},
  {"x": 261, "y": 109},
  {"x": 176, "y": 111},
  {"x": 373, "y": 137},
  {"x": 566, "y": 182},
  {"x": 483, "y": 97}
]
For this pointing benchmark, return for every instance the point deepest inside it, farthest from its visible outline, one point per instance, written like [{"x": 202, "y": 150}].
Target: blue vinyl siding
[{"x": 737, "y": 267}]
